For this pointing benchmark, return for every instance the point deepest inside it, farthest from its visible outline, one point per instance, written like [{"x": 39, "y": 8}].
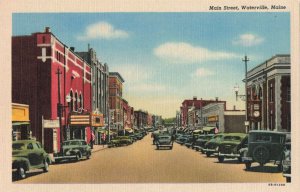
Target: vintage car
[
  {"x": 200, "y": 142},
  {"x": 73, "y": 150},
  {"x": 212, "y": 146},
  {"x": 183, "y": 139},
  {"x": 191, "y": 141},
  {"x": 155, "y": 135},
  {"x": 231, "y": 145},
  {"x": 286, "y": 163},
  {"x": 164, "y": 140},
  {"x": 264, "y": 147},
  {"x": 28, "y": 155},
  {"x": 123, "y": 140}
]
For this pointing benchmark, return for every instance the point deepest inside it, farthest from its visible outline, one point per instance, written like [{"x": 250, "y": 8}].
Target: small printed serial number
[{"x": 276, "y": 184}]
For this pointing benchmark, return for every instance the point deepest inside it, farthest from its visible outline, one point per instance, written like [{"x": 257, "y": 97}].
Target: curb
[{"x": 100, "y": 149}]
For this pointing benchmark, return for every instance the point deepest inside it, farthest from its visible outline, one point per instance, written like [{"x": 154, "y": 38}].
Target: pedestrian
[
  {"x": 103, "y": 139},
  {"x": 92, "y": 140}
]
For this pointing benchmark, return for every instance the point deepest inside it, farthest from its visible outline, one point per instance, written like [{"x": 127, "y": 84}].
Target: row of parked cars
[
  {"x": 127, "y": 139},
  {"x": 258, "y": 146},
  {"x": 29, "y": 154}
]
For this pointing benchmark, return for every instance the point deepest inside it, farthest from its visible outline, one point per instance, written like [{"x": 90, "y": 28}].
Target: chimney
[
  {"x": 195, "y": 98},
  {"x": 47, "y": 30},
  {"x": 72, "y": 49},
  {"x": 217, "y": 98},
  {"x": 234, "y": 108}
]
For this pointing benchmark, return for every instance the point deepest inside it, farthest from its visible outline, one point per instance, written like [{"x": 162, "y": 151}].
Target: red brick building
[
  {"x": 193, "y": 104},
  {"x": 269, "y": 94},
  {"x": 115, "y": 99},
  {"x": 128, "y": 115},
  {"x": 36, "y": 58}
]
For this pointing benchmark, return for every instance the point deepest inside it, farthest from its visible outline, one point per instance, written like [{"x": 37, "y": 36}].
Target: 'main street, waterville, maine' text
[{"x": 246, "y": 7}]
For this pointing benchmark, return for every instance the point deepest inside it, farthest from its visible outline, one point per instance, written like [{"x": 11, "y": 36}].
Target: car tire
[
  {"x": 288, "y": 179},
  {"x": 88, "y": 155},
  {"x": 21, "y": 172},
  {"x": 221, "y": 159},
  {"x": 208, "y": 154},
  {"x": 261, "y": 154},
  {"x": 46, "y": 166},
  {"x": 279, "y": 167},
  {"x": 157, "y": 147},
  {"x": 248, "y": 165},
  {"x": 240, "y": 159},
  {"x": 77, "y": 157}
]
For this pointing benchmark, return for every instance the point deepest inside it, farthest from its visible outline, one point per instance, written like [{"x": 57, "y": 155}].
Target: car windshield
[
  {"x": 18, "y": 146},
  {"x": 232, "y": 138},
  {"x": 164, "y": 137},
  {"x": 71, "y": 143}
]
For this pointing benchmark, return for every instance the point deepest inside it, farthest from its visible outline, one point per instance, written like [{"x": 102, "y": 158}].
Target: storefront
[{"x": 20, "y": 122}]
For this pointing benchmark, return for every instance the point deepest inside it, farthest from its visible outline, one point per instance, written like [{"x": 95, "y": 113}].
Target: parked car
[
  {"x": 231, "y": 145},
  {"x": 264, "y": 147},
  {"x": 286, "y": 163},
  {"x": 212, "y": 146},
  {"x": 74, "y": 149},
  {"x": 183, "y": 139},
  {"x": 201, "y": 141},
  {"x": 164, "y": 140},
  {"x": 155, "y": 135},
  {"x": 28, "y": 155}
]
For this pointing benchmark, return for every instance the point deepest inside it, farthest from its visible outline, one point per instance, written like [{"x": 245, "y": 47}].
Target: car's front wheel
[
  {"x": 221, "y": 159},
  {"x": 77, "y": 157},
  {"x": 248, "y": 165},
  {"x": 21, "y": 173},
  {"x": 208, "y": 154},
  {"x": 46, "y": 166}
]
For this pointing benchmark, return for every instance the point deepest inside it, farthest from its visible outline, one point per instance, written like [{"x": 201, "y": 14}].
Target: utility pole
[
  {"x": 245, "y": 60},
  {"x": 59, "y": 106}
]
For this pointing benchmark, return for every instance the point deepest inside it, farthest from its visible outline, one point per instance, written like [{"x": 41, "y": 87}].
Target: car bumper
[
  {"x": 64, "y": 157},
  {"x": 210, "y": 150},
  {"x": 164, "y": 145},
  {"x": 246, "y": 159},
  {"x": 286, "y": 174},
  {"x": 232, "y": 155}
]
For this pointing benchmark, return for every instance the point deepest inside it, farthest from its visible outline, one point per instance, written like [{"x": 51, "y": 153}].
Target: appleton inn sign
[{"x": 88, "y": 119}]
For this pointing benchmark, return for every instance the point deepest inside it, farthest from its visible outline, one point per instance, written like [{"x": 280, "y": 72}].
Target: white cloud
[
  {"x": 102, "y": 30},
  {"x": 248, "y": 40},
  {"x": 181, "y": 52},
  {"x": 146, "y": 87},
  {"x": 133, "y": 72},
  {"x": 202, "y": 72}
]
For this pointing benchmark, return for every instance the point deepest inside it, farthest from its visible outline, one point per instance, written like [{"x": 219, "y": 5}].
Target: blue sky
[{"x": 168, "y": 57}]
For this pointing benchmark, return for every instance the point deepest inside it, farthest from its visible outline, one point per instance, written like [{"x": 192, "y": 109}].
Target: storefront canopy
[
  {"x": 208, "y": 128},
  {"x": 20, "y": 123}
]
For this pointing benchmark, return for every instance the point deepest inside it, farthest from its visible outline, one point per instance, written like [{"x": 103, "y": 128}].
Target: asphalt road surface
[{"x": 142, "y": 163}]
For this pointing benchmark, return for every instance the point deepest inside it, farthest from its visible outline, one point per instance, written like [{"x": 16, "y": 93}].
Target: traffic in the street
[{"x": 142, "y": 162}]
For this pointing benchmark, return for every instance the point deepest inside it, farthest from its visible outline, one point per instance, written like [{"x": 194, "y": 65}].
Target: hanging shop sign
[{"x": 97, "y": 120}]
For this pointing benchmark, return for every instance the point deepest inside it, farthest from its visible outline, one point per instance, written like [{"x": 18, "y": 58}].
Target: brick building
[
  {"x": 36, "y": 59},
  {"x": 269, "y": 94},
  {"x": 115, "y": 99}
]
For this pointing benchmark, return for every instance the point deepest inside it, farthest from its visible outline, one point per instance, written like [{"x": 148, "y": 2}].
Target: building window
[
  {"x": 271, "y": 94},
  {"x": 80, "y": 103},
  {"x": 44, "y": 39},
  {"x": 72, "y": 101},
  {"x": 288, "y": 97},
  {"x": 76, "y": 102}
]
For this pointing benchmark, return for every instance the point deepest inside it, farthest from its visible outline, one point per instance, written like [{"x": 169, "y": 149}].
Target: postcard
[{"x": 149, "y": 96}]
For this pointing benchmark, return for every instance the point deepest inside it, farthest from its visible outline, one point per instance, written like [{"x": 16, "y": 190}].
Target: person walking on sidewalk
[{"x": 103, "y": 139}]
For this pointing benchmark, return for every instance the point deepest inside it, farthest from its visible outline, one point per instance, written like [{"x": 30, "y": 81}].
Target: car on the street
[
  {"x": 212, "y": 146},
  {"x": 191, "y": 141},
  {"x": 231, "y": 145},
  {"x": 286, "y": 162},
  {"x": 264, "y": 147},
  {"x": 155, "y": 135},
  {"x": 74, "y": 149},
  {"x": 200, "y": 142},
  {"x": 183, "y": 139},
  {"x": 28, "y": 155},
  {"x": 164, "y": 140}
]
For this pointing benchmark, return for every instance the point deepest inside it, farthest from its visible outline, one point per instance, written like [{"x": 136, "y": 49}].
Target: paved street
[{"x": 142, "y": 163}]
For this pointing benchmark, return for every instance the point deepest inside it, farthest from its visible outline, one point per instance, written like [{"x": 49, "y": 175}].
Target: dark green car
[
  {"x": 264, "y": 147},
  {"x": 28, "y": 155},
  {"x": 231, "y": 145},
  {"x": 200, "y": 142},
  {"x": 212, "y": 146},
  {"x": 73, "y": 150}
]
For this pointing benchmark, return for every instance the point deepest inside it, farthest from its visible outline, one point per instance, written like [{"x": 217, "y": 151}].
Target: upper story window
[{"x": 271, "y": 93}]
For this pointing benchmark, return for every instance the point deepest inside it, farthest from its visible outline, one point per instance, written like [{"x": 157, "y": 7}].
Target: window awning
[
  {"x": 197, "y": 131},
  {"x": 208, "y": 128},
  {"x": 21, "y": 123}
]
